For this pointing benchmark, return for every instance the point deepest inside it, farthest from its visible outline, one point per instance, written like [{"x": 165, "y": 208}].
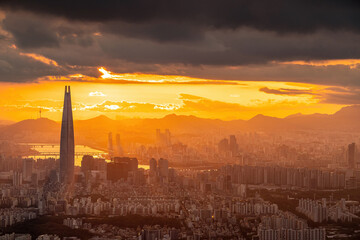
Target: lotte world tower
[{"x": 67, "y": 141}]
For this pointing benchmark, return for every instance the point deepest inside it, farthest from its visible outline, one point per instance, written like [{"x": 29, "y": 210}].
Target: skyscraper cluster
[
  {"x": 229, "y": 146},
  {"x": 163, "y": 139},
  {"x": 119, "y": 151}
]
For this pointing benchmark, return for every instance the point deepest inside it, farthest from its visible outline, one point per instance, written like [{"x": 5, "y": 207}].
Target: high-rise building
[
  {"x": 87, "y": 163},
  {"x": 27, "y": 169},
  {"x": 153, "y": 165},
  {"x": 223, "y": 145},
  {"x": 167, "y": 137},
  {"x": 351, "y": 155},
  {"x": 117, "y": 171},
  {"x": 110, "y": 145},
  {"x": 233, "y": 145},
  {"x": 17, "y": 178},
  {"x": 163, "y": 166},
  {"x": 67, "y": 148},
  {"x": 163, "y": 139},
  {"x": 120, "y": 150}
]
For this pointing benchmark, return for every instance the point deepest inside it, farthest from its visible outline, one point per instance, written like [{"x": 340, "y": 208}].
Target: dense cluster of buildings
[
  {"x": 323, "y": 211},
  {"x": 273, "y": 175},
  {"x": 287, "y": 226},
  {"x": 11, "y": 216},
  {"x": 204, "y": 203},
  {"x": 148, "y": 206}
]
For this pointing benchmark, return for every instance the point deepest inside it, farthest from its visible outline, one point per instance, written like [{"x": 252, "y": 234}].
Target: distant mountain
[
  {"x": 294, "y": 115},
  {"x": 94, "y": 131},
  {"x": 31, "y": 130},
  {"x": 350, "y": 112},
  {"x": 263, "y": 122},
  {"x": 5, "y": 122}
]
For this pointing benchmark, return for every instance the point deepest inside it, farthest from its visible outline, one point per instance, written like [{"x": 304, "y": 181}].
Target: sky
[{"x": 213, "y": 59}]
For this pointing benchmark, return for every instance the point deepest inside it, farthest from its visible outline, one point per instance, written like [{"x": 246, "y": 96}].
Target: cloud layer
[
  {"x": 242, "y": 40},
  {"x": 279, "y": 15}
]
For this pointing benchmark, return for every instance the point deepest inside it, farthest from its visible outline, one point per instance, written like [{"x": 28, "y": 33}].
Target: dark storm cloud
[
  {"x": 341, "y": 95},
  {"x": 30, "y": 32},
  {"x": 158, "y": 31},
  {"x": 243, "y": 47},
  {"x": 278, "y": 15},
  {"x": 17, "y": 68},
  {"x": 191, "y": 42}
]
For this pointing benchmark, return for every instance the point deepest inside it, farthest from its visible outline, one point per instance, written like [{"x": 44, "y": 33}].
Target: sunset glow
[
  {"x": 152, "y": 78},
  {"x": 40, "y": 58},
  {"x": 222, "y": 101},
  {"x": 180, "y": 119}
]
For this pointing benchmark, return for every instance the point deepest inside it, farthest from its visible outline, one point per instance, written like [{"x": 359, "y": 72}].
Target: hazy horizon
[{"x": 179, "y": 119}]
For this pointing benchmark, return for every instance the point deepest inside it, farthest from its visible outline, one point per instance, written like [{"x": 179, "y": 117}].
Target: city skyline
[{"x": 186, "y": 120}]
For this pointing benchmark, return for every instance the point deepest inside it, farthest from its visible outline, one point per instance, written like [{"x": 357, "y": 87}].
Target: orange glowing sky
[
  {"x": 149, "y": 95},
  {"x": 212, "y": 64}
]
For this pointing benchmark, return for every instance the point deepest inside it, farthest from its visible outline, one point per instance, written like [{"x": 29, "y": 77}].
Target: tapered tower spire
[{"x": 67, "y": 148}]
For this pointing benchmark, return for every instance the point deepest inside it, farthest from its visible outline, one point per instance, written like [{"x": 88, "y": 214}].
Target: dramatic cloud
[
  {"x": 297, "y": 41},
  {"x": 16, "y": 67},
  {"x": 341, "y": 95},
  {"x": 287, "y": 91},
  {"x": 30, "y": 31},
  {"x": 332, "y": 95},
  {"x": 280, "y": 15}
]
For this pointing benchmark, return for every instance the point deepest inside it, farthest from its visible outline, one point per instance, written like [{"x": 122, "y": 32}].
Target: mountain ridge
[{"x": 346, "y": 119}]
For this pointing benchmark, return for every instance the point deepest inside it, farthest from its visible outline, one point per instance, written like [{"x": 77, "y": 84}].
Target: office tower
[
  {"x": 233, "y": 145},
  {"x": 120, "y": 150},
  {"x": 163, "y": 166},
  {"x": 133, "y": 164},
  {"x": 87, "y": 163},
  {"x": 167, "y": 137},
  {"x": 153, "y": 165},
  {"x": 34, "y": 180},
  {"x": 117, "y": 171},
  {"x": 351, "y": 155},
  {"x": 27, "y": 169},
  {"x": 163, "y": 139},
  {"x": 223, "y": 146},
  {"x": 67, "y": 148},
  {"x": 17, "y": 179},
  {"x": 110, "y": 145},
  {"x": 119, "y": 168}
]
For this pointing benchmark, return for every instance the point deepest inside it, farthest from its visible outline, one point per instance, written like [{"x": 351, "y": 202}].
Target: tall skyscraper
[
  {"x": 351, "y": 155},
  {"x": 27, "y": 168},
  {"x": 120, "y": 150},
  {"x": 163, "y": 166},
  {"x": 67, "y": 148},
  {"x": 153, "y": 165},
  {"x": 110, "y": 145},
  {"x": 233, "y": 145},
  {"x": 163, "y": 139},
  {"x": 223, "y": 145}
]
